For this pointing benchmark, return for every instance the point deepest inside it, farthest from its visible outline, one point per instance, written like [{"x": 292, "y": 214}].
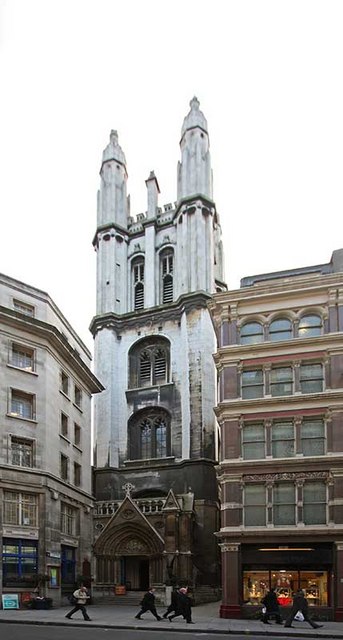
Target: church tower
[{"x": 155, "y": 428}]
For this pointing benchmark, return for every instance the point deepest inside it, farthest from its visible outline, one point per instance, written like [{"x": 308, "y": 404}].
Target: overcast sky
[{"x": 268, "y": 75}]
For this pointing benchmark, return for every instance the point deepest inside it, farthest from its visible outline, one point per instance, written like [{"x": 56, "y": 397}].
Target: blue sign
[{"x": 10, "y": 601}]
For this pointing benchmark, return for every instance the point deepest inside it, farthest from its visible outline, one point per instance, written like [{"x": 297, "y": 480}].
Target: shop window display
[{"x": 256, "y": 584}]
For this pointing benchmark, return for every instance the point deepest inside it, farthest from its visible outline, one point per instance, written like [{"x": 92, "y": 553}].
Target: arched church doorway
[{"x": 136, "y": 574}]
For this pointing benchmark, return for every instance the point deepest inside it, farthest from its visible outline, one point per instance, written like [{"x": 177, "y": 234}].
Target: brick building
[{"x": 280, "y": 368}]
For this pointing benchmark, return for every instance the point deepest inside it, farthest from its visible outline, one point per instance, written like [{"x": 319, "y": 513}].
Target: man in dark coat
[
  {"x": 272, "y": 607},
  {"x": 300, "y": 604},
  {"x": 183, "y": 606},
  {"x": 148, "y": 604},
  {"x": 173, "y": 604}
]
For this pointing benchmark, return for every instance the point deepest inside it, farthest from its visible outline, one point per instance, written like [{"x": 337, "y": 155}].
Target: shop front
[
  {"x": 249, "y": 571},
  {"x": 287, "y": 568}
]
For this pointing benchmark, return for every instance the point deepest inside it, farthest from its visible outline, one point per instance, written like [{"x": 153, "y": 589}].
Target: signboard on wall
[{"x": 10, "y": 601}]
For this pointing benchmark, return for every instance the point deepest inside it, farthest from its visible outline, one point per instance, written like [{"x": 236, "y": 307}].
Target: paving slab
[{"x": 206, "y": 620}]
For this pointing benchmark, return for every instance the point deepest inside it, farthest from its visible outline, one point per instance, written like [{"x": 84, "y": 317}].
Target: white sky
[{"x": 268, "y": 75}]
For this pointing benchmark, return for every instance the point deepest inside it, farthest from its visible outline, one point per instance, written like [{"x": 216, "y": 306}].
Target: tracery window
[
  {"x": 149, "y": 362},
  {"x": 149, "y": 435}
]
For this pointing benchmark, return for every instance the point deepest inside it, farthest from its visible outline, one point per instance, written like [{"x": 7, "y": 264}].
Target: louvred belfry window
[
  {"x": 167, "y": 268},
  {"x": 149, "y": 362},
  {"x": 138, "y": 283}
]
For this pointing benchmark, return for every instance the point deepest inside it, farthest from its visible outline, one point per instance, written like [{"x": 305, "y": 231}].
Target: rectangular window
[
  {"x": 78, "y": 396},
  {"x": 19, "y": 562},
  {"x": 281, "y": 381},
  {"x": 77, "y": 435},
  {"x": 22, "y": 357},
  {"x": 20, "y": 509},
  {"x": 313, "y": 438},
  {"x": 21, "y": 452},
  {"x": 255, "y": 505},
  {"x": 64, "y": 383},
  {"x": 64, "y": 463},
  {"x": 253, "y": 441},
  {"x": 64, "y": 425},
  {"x": 68, "y": 519},
  {"x": 252, "y": 384},
  {"x": 282, "y": 440},
  {"x": 311, "y": 378},
  {"x": 315, "y": 501},
  {"x": 22, "y": 404},
  {"x": 284, "y": 504},
  {"x": 77, "y": 474},
  {"x": 22, "y": 307}
]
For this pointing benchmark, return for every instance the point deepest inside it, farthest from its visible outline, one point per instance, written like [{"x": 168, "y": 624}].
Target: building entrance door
[{"x": 137, "y": 572}]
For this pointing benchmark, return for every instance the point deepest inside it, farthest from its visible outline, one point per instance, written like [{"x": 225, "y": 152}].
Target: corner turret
[
  {"x": 194, "y": 170},
  {"x": 112, "y": 197}
]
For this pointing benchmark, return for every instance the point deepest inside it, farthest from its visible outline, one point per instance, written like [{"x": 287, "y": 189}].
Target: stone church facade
[{"x": 155, "y": 428}]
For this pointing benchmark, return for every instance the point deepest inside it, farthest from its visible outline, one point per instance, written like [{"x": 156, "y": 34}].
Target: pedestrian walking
[
  {"x": 300, "y": 604},
  {"x": 173, "y": 604},
  {"x": 81, "y": 596},
  {"x": 148, "y": 604},
  {"x": 272, "y": 608},
  {"x": 183, "y": 606}
]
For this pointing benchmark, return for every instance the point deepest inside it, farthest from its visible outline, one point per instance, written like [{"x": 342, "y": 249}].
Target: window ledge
[
  {"x": 64, "y": 438},
  {"x": 13, "y": 366},
  {"x": 64, "y": 394},
  {"x": 77, "y": 407},
  {"x": 150, "y": 387},
  {"x": 76, "y": 446},
  {"x": 17, "y": 417}
]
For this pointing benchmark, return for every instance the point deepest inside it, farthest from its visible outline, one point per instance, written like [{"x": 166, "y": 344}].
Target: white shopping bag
[{"x": 299, "y": 616}]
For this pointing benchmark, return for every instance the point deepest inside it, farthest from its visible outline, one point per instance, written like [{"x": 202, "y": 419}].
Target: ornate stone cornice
[
  {"x": 295, "y": 476},
  {"x": 152, "y": 315}
]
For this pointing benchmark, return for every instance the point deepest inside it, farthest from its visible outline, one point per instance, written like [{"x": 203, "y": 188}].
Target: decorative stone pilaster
[{"x": 231, "y": 580}]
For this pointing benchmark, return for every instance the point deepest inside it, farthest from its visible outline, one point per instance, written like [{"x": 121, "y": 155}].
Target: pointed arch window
[
  {"x": 149, "y": 363},
  {"x": 149, "y": 435},
  {"x": 167, "y": 270},
  {"x": 138, "y": 283}
]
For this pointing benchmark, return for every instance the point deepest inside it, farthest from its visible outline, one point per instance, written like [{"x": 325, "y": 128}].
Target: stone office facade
[
  {"x": 45, "y": 475},
  {"x": 280, "y": 364}
]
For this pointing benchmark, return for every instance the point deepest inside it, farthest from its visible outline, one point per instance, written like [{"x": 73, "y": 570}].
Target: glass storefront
[
  {"x": 286, "y": 581},
  {"x": 19, "y": 562}
]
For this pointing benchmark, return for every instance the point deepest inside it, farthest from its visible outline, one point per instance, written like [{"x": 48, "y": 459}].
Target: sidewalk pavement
[{"x": 206, "y": 620}]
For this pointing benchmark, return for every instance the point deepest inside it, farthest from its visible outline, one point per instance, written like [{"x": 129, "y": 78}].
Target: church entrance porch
[{"x": 135, "y": 573}]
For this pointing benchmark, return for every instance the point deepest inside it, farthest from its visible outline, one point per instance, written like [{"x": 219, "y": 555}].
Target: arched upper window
[
  {"x": 309, "y": 326},
  {"x": 149, "y": 362},
  {"x": 138, "y": 283},
  {"x": 280, "y": 329},
  {"x": 166, "y": 270},
  {"x": 251, "y": 333},
  {"x": 149, "y": 434}
]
